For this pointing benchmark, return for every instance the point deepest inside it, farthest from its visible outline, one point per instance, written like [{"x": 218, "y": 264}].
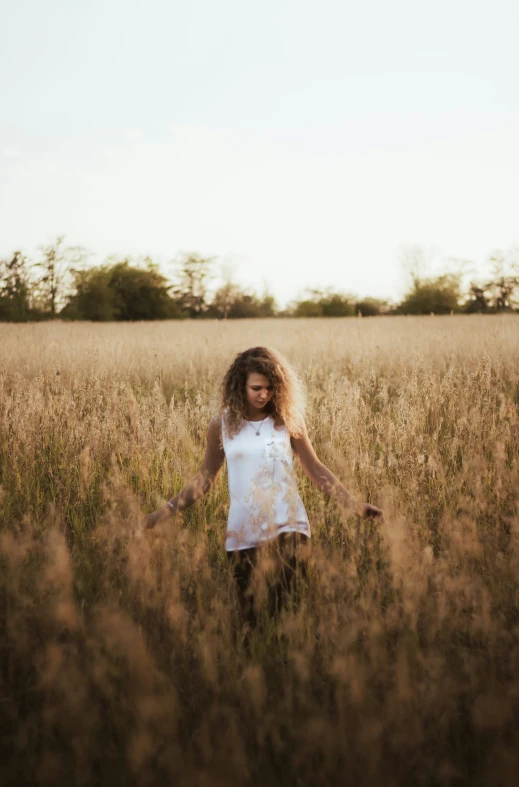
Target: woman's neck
[{"x": 256, "y": 416}]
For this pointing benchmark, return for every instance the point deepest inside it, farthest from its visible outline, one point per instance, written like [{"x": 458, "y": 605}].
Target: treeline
[{"x": 60, "y": 284}]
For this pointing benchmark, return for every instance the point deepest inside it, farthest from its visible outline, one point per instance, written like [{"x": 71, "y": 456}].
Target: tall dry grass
[{"x": 121, "y": 660}]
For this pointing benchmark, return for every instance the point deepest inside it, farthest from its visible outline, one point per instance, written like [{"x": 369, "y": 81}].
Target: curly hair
[{"x": 287, "y": 403}]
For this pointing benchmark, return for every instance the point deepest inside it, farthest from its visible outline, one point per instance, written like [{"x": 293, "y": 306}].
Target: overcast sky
[{"x": 302, "y": 143}]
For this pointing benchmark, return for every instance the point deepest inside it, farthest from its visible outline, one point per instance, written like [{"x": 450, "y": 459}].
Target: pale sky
[{"x": 300, "y": 142}]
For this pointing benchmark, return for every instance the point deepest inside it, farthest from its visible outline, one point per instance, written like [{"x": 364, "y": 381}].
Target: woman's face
[{"x": 258, "y": 392}]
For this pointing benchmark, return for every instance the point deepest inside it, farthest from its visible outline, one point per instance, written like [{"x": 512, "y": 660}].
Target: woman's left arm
[{"x": 322, "y": 477}]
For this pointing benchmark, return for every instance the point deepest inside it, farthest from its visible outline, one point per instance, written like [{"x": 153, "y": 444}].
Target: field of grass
[{"x": 121, "y": 661}]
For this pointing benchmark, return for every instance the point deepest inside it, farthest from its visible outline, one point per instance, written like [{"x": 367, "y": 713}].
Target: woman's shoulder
[
  {"x": 215, "y": 424},
  {"x": 214, "y": 432}
]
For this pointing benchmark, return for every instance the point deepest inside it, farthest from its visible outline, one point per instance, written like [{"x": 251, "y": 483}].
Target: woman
[{"x": 258, "y": 430}]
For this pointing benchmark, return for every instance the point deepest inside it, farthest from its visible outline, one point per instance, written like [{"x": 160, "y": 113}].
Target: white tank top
[{"x": 262, "y": 486}]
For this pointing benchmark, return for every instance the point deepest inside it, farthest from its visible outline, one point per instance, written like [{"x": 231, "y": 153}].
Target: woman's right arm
[{"x": 201, "y": 483}]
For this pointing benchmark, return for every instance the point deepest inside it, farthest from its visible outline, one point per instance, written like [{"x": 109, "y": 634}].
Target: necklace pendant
[{"x": 257, "y": 433}]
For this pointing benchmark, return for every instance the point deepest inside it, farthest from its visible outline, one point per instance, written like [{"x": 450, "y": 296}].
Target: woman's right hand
[{"x": 158, "y": 516}]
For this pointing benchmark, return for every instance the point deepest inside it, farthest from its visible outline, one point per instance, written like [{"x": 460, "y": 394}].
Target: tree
[
  {"x": 505, "y": 280},
  {"x": 307, "y": 308},
  {"x": 267, "y": 305},
  {"x": 499, "y": 295},
  {"x": 246, "y": 305},
  {"x": 416, "y": 261},
  {"x": 324, "y": 303},
  {"x": 478, "y": 300},
  {"x": 370, "y": 307},
  {"x": 191, "y": 288},
  {"x": 504, "y": 291},
  {"x": 14, "y": 289},
  {"x": 336, "y": 305},
  {"x": 501, "y": 292},
  {"x": 94, "y": 298},
  {"x": 142, "y": 293},
  {"x": 56, "y": 265},
  {"x": 438, "y": 295},
  {"x": 224, "y": 299},
  {"x": 120, "y": 290},
  {"x": 231, "y": 302}
]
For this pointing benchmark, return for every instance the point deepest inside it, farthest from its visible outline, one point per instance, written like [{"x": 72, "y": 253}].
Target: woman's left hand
[{"x": 372, "y": 512}]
